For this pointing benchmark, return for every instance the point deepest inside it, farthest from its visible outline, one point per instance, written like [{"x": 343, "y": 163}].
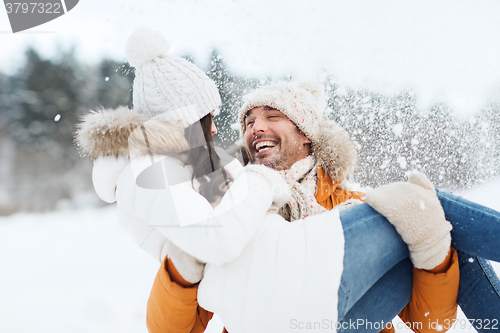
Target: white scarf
[{"x": 302, "y": 179}]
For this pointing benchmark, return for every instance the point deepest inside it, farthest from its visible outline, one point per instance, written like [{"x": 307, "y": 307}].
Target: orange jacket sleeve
[
  {"x": 173, "y": 308},
  {"x": 433, "y": 300}
]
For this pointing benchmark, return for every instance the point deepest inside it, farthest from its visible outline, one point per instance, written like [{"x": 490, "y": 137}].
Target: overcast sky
[{"x": 447, "y": 51}]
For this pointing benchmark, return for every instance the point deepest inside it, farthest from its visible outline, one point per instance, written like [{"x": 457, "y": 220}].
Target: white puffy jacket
[{"x": 263, "y": 274}]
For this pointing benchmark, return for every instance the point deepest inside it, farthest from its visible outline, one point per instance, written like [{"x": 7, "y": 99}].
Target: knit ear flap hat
[
  {"x": 299, "y": 102},
  {"x": 302, "y": 103},
  {"x": 167, "y": 87}
]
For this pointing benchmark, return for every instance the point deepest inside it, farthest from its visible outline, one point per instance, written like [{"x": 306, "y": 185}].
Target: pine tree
[
  {"x": 394, "y": 137},
  {"x": 114, "y": 84},
  {"x": 231, "y": 89},
  {"x": 50, "y": 98}
]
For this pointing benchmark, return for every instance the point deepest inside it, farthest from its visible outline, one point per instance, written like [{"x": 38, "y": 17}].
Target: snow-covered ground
[
  {"x": 79, "y": 271},
  {"x": 72, "y": 271}
]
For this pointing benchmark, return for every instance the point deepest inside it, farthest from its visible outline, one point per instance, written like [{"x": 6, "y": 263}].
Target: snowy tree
[
  {"x": 114, "y": 84},
  {"x": 394, "y": 137},
  {"x": 231, "y": 89},
  {"x": 49, "y": 97},
  {"x": 489, "y": 136}
]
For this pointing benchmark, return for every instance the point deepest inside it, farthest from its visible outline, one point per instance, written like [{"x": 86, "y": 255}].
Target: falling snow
[
  {"x": 402, "y": 162},
  {"x": 398, "y": 129}
]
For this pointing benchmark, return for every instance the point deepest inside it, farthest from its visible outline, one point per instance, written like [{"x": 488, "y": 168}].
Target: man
[{"x": 282, "y": 130}]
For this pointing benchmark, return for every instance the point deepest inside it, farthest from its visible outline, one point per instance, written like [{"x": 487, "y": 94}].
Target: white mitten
[
  {"x": 280, "y": 189},
  {"x": 416, "y": 213},
  {"x": 190, "y": 268}
]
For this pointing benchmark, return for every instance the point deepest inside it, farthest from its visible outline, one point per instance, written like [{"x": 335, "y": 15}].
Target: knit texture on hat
[
  {"x": 168, "y": 87},
  {"x": 299, "y": 102}
]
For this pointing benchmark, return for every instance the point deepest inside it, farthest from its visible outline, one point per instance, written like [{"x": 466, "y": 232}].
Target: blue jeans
[{"x": 377, "y": 290}]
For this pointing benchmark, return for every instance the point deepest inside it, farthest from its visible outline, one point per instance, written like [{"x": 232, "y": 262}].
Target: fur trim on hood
[
  {"x": 335, "y": 151},
  {"x": 122, "y": 132}
]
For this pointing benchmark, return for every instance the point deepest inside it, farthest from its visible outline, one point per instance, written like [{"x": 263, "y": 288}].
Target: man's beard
[{"x": 277, "y": 160}]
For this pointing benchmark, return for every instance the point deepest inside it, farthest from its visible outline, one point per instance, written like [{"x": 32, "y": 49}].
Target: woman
[{"x": 146, "y": 146}]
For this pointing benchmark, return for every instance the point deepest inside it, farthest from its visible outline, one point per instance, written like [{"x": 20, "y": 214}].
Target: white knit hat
[
  {"x": 301, "y": 103},
  {"x": 167, "y": 87}
]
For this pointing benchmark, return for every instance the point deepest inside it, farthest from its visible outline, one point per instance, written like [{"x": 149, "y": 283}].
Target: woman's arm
[{"x": 220, "y": 234}]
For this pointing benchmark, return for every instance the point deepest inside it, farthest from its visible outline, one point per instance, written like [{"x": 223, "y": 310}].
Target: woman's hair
[{"x": 205, "y": 161}]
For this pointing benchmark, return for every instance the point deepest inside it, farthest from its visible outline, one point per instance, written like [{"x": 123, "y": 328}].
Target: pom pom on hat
[
  {"x": 145, "y": 45},
  {"x": 167, "y": 87},
  {"x": 314, "y": 88}
]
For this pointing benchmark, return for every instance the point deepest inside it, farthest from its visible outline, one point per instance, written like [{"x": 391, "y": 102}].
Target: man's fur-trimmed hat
[{"x": 303, "y": 104}]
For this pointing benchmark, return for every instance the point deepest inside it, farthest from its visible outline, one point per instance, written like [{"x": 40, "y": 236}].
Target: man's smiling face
[{"x": 273, "y": 140}]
